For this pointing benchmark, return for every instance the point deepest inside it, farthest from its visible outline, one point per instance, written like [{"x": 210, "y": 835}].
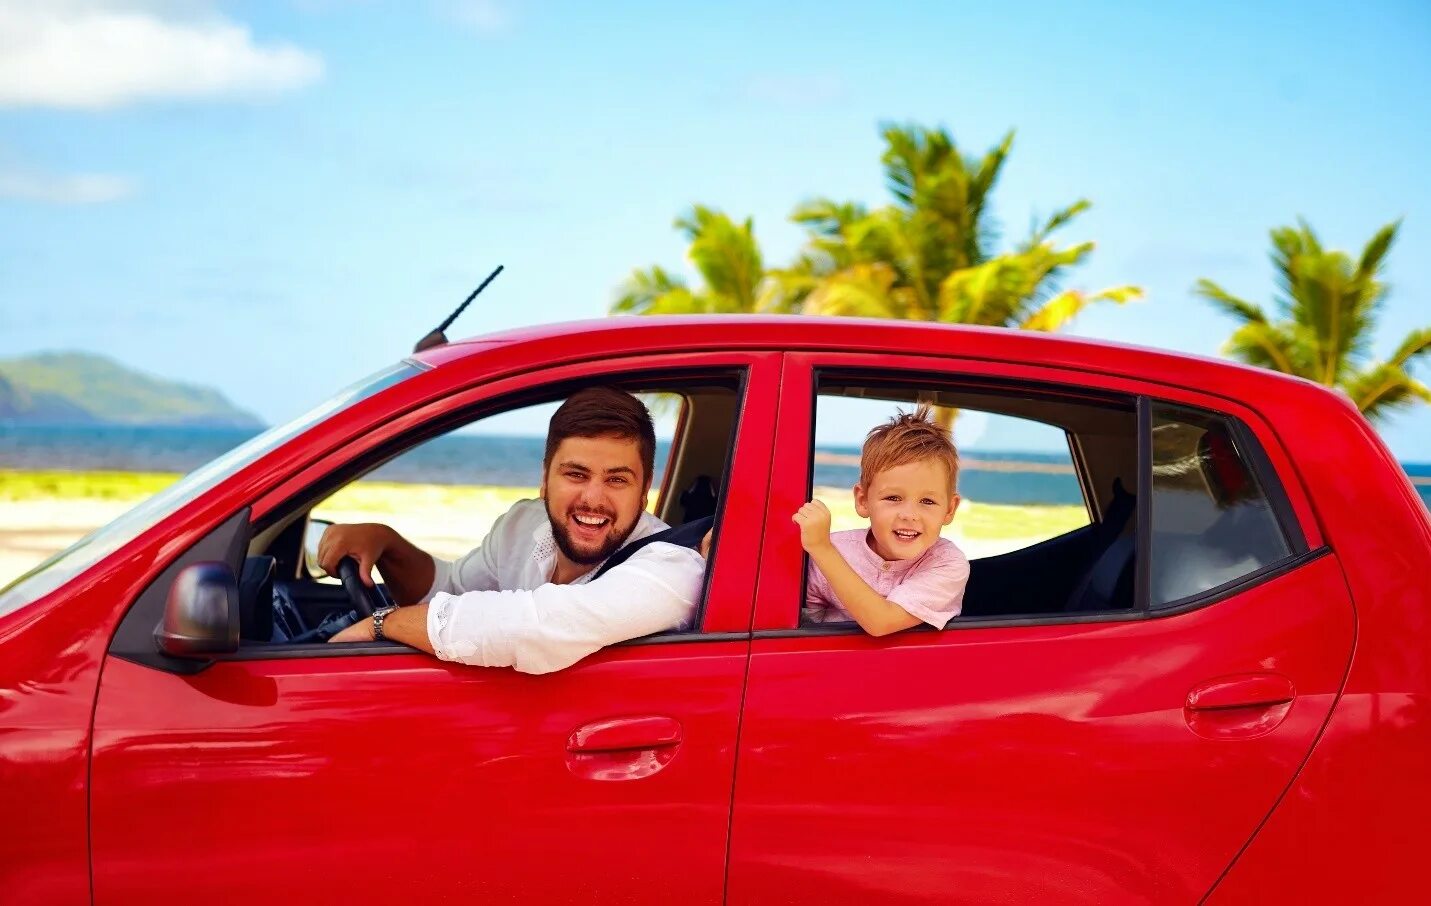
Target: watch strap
[{"x": 379, "y": 616}]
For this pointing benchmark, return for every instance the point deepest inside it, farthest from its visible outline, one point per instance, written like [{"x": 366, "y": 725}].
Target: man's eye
[
  {"x": 617, "y": 479},
  {"x": 576, "y": 476}
]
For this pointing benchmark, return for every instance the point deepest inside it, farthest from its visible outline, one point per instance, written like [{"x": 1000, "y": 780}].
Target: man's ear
[{"x": 862, "y": 505}]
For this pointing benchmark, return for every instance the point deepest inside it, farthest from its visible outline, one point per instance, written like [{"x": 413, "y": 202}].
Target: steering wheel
[{"x": 364, "y": 597}]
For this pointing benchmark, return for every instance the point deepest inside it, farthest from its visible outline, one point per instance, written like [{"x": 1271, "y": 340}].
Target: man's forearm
[
  {"x": 875, "y": 614},
  {"x": 408, "y": 625},
  {"x": 407, "y": 569}
]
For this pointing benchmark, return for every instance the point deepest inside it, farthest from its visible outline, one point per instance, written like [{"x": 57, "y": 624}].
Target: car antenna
[{"x": 438, "y": 337}]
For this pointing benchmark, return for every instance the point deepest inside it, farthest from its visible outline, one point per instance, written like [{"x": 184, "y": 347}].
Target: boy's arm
[{"x": 876, "y": 615}]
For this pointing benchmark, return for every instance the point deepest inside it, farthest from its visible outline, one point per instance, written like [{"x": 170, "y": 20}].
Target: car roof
[{"x": 668, "y": 333}]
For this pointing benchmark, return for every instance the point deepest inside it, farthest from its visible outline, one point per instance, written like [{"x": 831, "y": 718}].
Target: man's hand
[
  {"x": 361, "y": 631},
  {"x": 814, "y": 521},
  {"x": 364, "y": 542}
]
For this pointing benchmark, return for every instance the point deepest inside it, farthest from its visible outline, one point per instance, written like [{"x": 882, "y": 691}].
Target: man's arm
[
  {"x": 407, "y": 569},
  {"x": 552, "y": 626}
]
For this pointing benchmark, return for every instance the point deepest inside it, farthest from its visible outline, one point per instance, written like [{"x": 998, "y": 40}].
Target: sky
[{"x": 277, "y": 198}]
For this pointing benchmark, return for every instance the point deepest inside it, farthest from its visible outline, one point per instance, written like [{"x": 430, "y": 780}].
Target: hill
[{"x": 67, "y": 388}]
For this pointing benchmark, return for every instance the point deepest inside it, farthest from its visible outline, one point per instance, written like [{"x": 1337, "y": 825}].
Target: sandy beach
[{"x": 42, "y": 513}]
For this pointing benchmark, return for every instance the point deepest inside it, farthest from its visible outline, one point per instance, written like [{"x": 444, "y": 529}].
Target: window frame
[
  {"x": 1254, "y": 458},
  {"x": 1268, "y": 461},
  {"x": 449, "y": 407}
]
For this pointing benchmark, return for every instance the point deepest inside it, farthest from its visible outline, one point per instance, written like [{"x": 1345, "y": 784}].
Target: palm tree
[
  {"x": 1326, "y": 311},
  {"x": 927, "y": 256},
  {"x": 726, "y": 255}
]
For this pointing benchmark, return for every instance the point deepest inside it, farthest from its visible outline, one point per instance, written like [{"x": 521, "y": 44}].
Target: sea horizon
[{"x": 993, "y": 476}]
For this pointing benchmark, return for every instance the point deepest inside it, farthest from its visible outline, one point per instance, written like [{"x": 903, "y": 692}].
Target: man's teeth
[{"x": 591, "y": 520}]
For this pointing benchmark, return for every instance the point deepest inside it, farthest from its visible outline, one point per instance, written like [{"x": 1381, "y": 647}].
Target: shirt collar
[
  {"x": 544, "y": 546},
  {"x": 874, "y": 560}
]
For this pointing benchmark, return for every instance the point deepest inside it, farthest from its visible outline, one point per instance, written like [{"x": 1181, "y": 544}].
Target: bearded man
[{"x": 530, "y": 596}]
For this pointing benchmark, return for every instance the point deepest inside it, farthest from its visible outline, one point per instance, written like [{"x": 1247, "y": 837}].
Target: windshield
[{"x": 90, "y": 549}]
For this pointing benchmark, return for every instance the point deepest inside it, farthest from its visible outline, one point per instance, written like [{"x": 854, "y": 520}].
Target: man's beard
[{"x": 562, "y": 535}]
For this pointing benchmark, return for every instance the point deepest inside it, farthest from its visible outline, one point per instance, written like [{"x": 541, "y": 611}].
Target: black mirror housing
[{"x": 201, "y": 615}]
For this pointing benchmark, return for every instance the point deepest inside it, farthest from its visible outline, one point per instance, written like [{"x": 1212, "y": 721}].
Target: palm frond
[
  {"x": 645, "y": 291},
  {"x": 861, "y": 291},
  {"x": 1375, "y": 252},
  {"x": 1238, "y": 308},
  {"x": 1265, "y": 345},
  {"x": 1416, "y": 344},
  {"x": 1384, "y": 389}
]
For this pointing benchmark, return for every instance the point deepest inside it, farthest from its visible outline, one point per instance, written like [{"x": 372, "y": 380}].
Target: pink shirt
[{"x": 930, "y": 587}]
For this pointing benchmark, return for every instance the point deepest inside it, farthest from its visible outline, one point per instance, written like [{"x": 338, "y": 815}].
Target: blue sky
[{"x": 276, "y": 198}]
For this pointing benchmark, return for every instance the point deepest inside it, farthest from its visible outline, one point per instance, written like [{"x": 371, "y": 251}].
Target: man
[{"x": 526, "y": 597}]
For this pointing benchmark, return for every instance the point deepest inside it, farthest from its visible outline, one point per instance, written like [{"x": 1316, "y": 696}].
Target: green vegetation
[
  {"x": 377, "y": 498},
  {"x": 1326, "y": 312},
  {"x": 928, "y": 255},
  {"x": 19, "y": 485},
  {"x": 78, "y": 388}
]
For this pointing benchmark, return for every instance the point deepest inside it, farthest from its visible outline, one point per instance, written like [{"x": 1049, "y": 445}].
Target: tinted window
[{"x": 1211, "y": 519}]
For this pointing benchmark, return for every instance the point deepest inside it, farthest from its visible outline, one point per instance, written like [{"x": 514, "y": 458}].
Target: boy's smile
[{"x": 907, "y": 506}]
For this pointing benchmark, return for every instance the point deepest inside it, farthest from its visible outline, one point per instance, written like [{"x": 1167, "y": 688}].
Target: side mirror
[
  {"x": 312, "y": 534},
  {"x": 201, "y": 615}
]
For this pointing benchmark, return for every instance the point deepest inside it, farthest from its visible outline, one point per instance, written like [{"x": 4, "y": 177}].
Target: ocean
[{"x": 986, "y": 476}]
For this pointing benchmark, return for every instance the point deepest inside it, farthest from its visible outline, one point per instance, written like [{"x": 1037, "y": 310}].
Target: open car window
[
  {"x": 445, "y": 492},
  {"x": 1047, "y": 480}
]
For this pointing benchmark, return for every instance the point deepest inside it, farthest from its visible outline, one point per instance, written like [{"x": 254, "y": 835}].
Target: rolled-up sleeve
[{"x": 554, "y": 626}]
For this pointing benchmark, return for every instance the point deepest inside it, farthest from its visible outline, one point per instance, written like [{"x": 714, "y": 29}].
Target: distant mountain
[{"x": 71, "y": 388}]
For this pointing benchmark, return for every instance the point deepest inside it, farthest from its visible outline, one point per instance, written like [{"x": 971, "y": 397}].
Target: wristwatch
[{"x": 378, "y": 616}]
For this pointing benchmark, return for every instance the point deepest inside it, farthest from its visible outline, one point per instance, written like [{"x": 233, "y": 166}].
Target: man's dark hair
[{"x": 604, "y": 412}]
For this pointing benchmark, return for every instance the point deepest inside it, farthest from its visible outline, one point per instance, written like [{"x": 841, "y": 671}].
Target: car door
[
  {"x": 388, "y": 776},
  {"x": 1057, "y": 757}
]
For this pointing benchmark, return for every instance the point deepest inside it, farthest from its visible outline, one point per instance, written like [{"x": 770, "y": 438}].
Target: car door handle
[
  {"x": 624, "y": 734},
  {"x": 1255, "y": 690}
]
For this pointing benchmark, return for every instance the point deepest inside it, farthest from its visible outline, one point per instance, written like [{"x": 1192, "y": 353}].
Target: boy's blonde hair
[{"x": 906, "y": 438}]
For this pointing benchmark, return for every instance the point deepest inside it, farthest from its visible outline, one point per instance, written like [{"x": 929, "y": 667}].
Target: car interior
[
  {"x": 1087, "y": 570},
  {"x": 283, "y": 599}
]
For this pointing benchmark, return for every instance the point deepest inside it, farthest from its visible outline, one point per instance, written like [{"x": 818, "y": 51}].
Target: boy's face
[{"x": 907, "y": 506}]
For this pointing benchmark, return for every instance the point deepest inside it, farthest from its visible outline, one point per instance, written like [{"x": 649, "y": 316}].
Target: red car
[{"x": 1216, "y": 688}]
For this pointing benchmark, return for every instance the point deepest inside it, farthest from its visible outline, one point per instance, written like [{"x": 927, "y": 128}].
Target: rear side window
[{"x": 1213, "y": 521}]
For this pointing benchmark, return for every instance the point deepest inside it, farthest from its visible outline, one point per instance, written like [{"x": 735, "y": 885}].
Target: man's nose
[{"x": 592, "y": 494}]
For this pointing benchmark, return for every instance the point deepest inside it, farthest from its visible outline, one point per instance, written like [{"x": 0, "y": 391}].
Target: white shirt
[{"x": 497, "y": 606}]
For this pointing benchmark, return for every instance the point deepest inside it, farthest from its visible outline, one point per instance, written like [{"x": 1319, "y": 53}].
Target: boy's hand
[{"x": 814, "y": 521}]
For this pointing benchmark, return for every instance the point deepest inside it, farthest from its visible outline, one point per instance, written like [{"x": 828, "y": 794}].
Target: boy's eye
[
  {"x": 927, "y": 502},
  {"x": 892, "y": 498}
]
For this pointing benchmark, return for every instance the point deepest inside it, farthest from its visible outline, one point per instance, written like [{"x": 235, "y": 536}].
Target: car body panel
[
  {"x": 1056, "y": 760},
  {"x": 1346, "y": 827}
]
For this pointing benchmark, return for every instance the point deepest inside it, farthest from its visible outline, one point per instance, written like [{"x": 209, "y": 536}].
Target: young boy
[{"x": 899, "y": 572}]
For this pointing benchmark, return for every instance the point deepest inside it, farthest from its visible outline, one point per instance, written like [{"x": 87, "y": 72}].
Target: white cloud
[
  {"x": 78, "y": 188},
  {"x": 96, "y": 54},
  {"x": 489, "y": 18}
]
